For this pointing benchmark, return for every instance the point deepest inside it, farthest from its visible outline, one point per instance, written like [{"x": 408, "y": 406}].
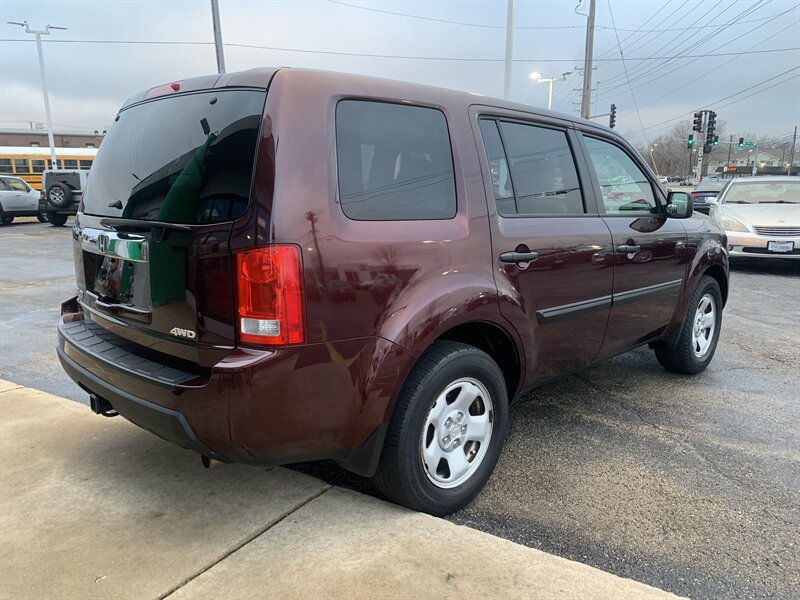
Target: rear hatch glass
[
  {"x": 180, "y": 159},
  {"x": 152, "y": 256}
]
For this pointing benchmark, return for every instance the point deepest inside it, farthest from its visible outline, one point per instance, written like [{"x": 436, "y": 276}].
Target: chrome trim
[
  {"x": 777, "y": 231},
  {"x": 126, "y": 246}
]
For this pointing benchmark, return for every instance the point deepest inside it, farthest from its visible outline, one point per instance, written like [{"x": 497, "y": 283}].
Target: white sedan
[
  {"x": 18, "y": 199},
  {"x": 761, "y": 216}
]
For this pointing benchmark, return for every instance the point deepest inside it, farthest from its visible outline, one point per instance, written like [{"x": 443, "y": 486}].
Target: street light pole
[
  {"x": 39, "y": 33},
  {"x": 536, "y": 76},
  {"x": 586, "y": 98},
  {"x": 509, "y": 49},
  {"x": 218, "y": 37}
]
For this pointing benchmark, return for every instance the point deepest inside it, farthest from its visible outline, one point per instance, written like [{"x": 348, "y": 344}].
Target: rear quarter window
[{"x": 394, "y": 162}]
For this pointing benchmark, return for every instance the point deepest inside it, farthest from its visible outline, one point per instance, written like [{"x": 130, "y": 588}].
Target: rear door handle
[
  {"x": 629, "y": 248},
  {"x": 518, "y": 257}
]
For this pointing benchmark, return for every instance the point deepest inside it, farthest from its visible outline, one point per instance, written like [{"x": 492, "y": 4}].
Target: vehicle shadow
[{"x": 770, "y": 266}]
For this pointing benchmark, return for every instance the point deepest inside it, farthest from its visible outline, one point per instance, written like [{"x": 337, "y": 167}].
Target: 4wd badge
[{"x": 184, "y": 333}]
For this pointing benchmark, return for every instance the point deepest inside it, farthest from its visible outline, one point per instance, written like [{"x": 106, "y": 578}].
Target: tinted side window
[
  {"x": 21, "y": 165},
  {"x": 498, "y": 168},
  {"x": 542, "y": 169},
  {"x": 625, "y": 188},
  {"x": 5, "y": 165},
  {"x": 394, "y": 162}
]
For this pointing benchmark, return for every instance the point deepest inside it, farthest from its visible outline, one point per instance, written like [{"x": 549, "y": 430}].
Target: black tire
[
  {"x": 56, "y": 220},
  {"x": 59, "y": 195},
  {"x": 5, "y": 219},
  {"x": 402, "y": 476},
  {"x": 682, "y": 357},
  {"x": 42, "y": 215}
]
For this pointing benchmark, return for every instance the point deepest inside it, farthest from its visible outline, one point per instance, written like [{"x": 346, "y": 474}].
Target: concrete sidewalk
[{"x": 97, "y": 508}]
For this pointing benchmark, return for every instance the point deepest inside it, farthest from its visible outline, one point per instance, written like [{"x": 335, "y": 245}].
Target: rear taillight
[{"x": 270, "y": 296}]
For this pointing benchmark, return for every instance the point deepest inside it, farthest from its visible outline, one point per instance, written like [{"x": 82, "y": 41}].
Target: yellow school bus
[{"x": 29, "y": 163}]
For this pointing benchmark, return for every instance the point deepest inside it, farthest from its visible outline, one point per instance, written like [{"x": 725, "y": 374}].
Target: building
[
  {"x": 38, "y": 138},
  {"x": 741, "y": 162}
]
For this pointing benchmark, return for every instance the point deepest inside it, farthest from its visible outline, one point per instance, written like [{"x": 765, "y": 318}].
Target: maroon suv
[{"x": 282, "y": 265}]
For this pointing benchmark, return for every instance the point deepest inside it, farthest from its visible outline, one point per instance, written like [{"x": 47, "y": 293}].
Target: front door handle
[
  {"x": 629, "y": 248},
  {"x": 518, "y": 257}
]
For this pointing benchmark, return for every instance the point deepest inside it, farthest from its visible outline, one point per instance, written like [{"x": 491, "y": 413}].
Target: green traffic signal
[{"x": 690, "y": 141}]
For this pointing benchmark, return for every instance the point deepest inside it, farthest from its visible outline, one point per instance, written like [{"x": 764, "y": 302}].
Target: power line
[
  {"x": 397, "y": 56},
  {"x": 716, "y": 103},
  {"x": 684, "y": 54},
  {"x": 526, "y": 27},
  {"x": 719, "y": 66},
  {"x": 711, "y": 52},
  {"x": 625, "y": 67}
]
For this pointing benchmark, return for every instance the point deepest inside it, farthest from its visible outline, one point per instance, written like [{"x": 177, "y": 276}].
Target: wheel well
[
  {"x": 496, "y": 343},
  {"x": 718, "y": 274}
]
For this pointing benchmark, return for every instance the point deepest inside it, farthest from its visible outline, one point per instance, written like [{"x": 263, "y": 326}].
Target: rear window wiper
[{"x": 120, "y": 224}]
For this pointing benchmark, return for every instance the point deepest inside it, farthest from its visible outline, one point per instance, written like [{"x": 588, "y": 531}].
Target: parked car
[
  {"x": 17, "y": 199},
  {"x": 61, "y": 194},
  {"x": 705, "y": 194},
  {"x": 761, "y": 217},
  {"x": 215, "y": 203}
]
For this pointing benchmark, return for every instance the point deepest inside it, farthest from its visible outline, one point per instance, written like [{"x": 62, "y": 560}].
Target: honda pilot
[{"x": 282, "y": 265}]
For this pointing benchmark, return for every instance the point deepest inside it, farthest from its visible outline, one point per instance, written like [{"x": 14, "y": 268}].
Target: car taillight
[{"x": 270, "y": 296}]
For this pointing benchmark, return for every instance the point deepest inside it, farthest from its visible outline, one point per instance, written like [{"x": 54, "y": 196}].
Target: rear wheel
[
  {"x": 699, "y": 334},
  {"x": 56, "y": 219},
  {"x": 42, "y": 215},
  {"x": 447, "y": 430},
  {"x": 5, "y": 219}
]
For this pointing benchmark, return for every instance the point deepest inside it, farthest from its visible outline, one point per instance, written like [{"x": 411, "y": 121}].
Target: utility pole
[
  {"x": 755, "y": 162},
  {"x": 728, "y": 163},
  {"x": 39, "y": 33},
  {"x": 586, "y": 99},
  {"x": 509, "y": 49},
  {"x": 791, "y": 156},
  {"x": 218, "y": 37}
]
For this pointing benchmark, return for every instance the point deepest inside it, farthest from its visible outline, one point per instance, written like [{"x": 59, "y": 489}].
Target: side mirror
[{"x": 680, "y": 205}]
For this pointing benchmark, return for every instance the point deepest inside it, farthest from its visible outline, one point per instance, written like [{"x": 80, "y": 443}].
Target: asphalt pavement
[{"x": 689, "y": 484}]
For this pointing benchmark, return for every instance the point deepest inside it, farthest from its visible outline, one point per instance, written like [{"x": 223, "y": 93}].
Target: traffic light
[
  {"x": 712, "y": 121},
  {"x": 697, "y": 124},
  {"x": 711, "y": 125},
  {"x": 690, "y": 141},
  {"x": 716, "y": 141},
  {"x": 741, "y": 142},
  {"x": 612, "y": 116}
]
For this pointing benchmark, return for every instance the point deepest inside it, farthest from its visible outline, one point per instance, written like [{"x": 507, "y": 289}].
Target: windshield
[
  {"x": 757, "y": 192},
  {"x": 180, "y": 159}
]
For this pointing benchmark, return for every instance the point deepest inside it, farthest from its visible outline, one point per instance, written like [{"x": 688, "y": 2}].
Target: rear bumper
[
  {"x": 167, "y": 424},
  {"x": 277, "y": 406}
]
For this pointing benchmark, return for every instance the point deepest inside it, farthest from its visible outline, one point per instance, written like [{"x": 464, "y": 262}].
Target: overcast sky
[{"x": 89, "y": 81}]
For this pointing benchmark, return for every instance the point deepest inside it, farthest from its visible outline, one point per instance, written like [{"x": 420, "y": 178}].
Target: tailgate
[{"x": 152, "y": 255}]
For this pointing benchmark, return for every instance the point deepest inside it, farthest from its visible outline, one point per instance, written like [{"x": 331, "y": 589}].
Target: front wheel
[
  {"x": 447, "y": 430},
  {"x": 699, "y": 333}
]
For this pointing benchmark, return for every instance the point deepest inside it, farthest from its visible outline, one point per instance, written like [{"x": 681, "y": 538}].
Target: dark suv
[{"x": 282, "y": 265}]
